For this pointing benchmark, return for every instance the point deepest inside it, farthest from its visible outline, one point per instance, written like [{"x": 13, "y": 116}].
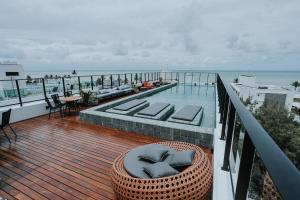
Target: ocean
[{"x": 281, "y": 78}]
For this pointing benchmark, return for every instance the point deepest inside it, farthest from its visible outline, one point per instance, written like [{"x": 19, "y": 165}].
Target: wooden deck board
[{"x": 62, "y": 159}]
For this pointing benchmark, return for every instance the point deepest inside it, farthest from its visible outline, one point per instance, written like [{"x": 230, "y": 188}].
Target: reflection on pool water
[{"x": 182, "y": 95}]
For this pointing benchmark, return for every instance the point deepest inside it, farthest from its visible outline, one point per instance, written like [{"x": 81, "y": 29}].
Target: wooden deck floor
[{"x": 62, "y": 159}]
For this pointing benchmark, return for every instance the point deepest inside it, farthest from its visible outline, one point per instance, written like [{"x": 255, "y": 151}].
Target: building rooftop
[{"x": 72, "y": 157}]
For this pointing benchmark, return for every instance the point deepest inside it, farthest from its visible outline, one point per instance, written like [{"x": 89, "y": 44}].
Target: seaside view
[
  {"x": 282, "y": 78},
  {"x": 149, "y": 100}
]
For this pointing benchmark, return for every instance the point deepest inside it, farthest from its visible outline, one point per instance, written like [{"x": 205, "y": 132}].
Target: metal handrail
[
  {"x": 131, "y": 78},
  {"x": 284, "y": 174}
]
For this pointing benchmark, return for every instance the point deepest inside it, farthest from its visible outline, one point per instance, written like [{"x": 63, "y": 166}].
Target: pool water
[{"x": 181, "y": 95}]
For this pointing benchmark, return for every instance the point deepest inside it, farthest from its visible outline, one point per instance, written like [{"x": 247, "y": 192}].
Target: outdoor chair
[
  {"x": 68, "y": 93},
  {"x": 55, "y": 89},
  {"x": 5, "y": 123},
  {"x": 57, "y": 105}
]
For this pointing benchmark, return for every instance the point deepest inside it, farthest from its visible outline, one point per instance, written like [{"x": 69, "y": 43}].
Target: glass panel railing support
[
  {"x": 224, "y": 116},
  {"x": 111, "y": 81},
  {"x": 44, "y": 88},
  {"x": 19, "y": 94},
  {"x": 92, "y": 82},
  {"x": 230, "y": 125},
  {"x": 245, "y": 169},
  {"x": 64, "y": 85},
  {"x": 102, "y": 81},
  {"x": 79, "y": 84}
]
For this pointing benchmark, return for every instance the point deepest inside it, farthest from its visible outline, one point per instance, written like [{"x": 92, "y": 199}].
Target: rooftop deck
[{"x": 62, "y": 159}]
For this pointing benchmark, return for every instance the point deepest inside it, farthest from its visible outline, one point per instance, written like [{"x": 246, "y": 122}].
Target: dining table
[{"x": 72, "y": 102}]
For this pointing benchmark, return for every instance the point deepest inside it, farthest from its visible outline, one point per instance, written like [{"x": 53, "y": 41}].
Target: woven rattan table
[{"x": 193, "y": 183}]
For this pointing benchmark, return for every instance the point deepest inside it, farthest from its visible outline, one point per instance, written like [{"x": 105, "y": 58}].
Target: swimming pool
[{"x": 182, "y": 94}]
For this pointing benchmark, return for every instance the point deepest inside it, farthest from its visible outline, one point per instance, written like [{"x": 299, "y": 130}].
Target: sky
[{"x": 147, "y": 34}]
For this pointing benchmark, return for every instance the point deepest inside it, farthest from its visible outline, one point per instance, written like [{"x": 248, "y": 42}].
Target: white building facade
[
  {"x": 248, "y": 89},
  {"x": 9, "y": 72}
]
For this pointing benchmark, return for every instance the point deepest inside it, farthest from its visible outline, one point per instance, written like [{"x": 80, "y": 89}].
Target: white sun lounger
[
  {"x": 129, "y": 108},
  {"x": 158, "y": 111},
  {"x": 188, "y": 114}
]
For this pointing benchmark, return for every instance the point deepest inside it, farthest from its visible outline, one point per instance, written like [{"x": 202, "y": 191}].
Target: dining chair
[
  {"x": 5, "y": 123},
  {"x": 57, "y": 104}
]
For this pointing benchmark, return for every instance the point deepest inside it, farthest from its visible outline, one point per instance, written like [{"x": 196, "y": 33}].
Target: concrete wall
[{"x": 27, "y": 111}]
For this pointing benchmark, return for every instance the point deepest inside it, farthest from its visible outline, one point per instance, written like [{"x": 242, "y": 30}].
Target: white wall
[{"x": 27, "y": 111}]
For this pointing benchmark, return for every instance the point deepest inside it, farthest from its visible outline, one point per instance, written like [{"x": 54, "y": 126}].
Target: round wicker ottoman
[{"x": 193, "y": 183}]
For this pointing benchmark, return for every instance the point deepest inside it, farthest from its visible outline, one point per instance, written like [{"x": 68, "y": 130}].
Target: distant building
[
  {"x": 248, "y": 89},
  {"x": 9, "y": 72}
]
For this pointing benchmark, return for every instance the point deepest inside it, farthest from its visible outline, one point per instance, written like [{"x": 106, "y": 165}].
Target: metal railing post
[
  {"x": 230, "y": 127},
  {"x": 224, "y": 115},
  {"x": 102, "y": 81},
  {"x": 44, "y": 88},
  {"x": 79, "y": 84},
  {"x": 131, "y": 78},
  {"x": 19, "y": 93},
  {"x": 92, "y": 82},
  {"x": 119, "y": 80},
  {"x": 244, "y": 173},
  {"x": 111, "y": 81},
  {"x": 64, "y": 85}
]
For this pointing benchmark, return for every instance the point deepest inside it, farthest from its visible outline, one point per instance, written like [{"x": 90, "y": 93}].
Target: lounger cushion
[
  {"x": 103, "y": 91},
  {"x": 123, "y": 87},
  {"x": 160, "y": 169},
  {"x": 180, "y": 159},
  {"x": 154, "y": 109},
  {"x": 187, "y": 113},
  {"x": 129, "y": 105},
  {"x": 154, "y": 154},
  {"x": 134, "y": 166}
]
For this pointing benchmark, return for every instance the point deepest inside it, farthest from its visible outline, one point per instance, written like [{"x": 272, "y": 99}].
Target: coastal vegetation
[
  {"x": 280, "y": 124},
  {"x": 296, "y": 84}
]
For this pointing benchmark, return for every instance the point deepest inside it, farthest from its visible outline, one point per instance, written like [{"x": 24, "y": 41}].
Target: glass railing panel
[
  {"x": 122, "y": 79},
  {"x": 106, "y": 81},
  {"x": 8, "y": 93},
  {"x": 31, "y": 90},
  {"x": 211, "y": 78},
  {"x": 72, "y": 84},
  {"x": 261, "y": 185},
  {"x": 97, "y": 81},
  {"x": 54, "y": 86},
  {"x": 167, "y": 75},
  {"x": 85, "y": 82},
  {"x": 115, "y": 81},
  {"x": 236, "y": 150}
]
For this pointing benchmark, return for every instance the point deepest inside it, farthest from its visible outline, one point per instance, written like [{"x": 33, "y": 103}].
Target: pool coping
[{"x": 201, "y": 136}]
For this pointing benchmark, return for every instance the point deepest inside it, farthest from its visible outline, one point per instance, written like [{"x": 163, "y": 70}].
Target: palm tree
[
  {"x": 296, "y": 84},
  {"x": 236, "y": 80}
]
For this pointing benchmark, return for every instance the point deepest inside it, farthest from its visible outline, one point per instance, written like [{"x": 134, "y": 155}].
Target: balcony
[{"x": 68, "y": 158}]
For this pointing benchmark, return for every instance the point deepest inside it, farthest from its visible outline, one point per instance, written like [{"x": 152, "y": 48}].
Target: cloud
[{"x": 139, "y": 33}]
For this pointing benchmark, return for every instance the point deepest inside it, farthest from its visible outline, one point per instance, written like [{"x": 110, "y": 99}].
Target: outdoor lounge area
[
  {"x": 63, "y": 159},
  {"x": 176, "y": 141}
]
